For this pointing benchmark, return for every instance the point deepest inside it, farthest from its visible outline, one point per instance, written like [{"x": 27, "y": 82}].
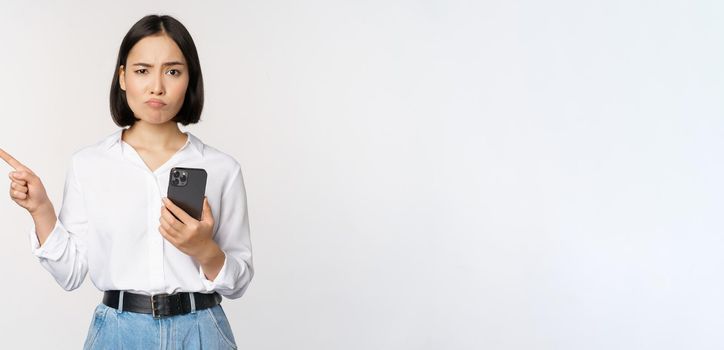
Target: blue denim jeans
[{"x": 200, "y": 329}]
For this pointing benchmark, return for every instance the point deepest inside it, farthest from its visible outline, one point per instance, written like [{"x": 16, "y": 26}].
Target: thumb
[{"x": 206, "y": 212}]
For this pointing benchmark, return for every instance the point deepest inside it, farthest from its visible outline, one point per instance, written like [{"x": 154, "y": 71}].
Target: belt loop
[
  {"x": 193, "y": 302},
  {"x": 120, "y": 302}
]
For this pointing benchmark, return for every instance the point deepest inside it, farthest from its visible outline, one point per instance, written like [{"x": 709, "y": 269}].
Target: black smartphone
[{"x": 186, "y": 189}]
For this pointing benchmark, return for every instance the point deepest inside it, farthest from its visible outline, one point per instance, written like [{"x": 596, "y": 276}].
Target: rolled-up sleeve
[
  {"x": 233, "y": 237},
  {"x": 63, "y": 253}
]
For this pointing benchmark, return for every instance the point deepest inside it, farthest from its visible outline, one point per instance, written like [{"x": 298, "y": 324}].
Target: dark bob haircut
[{"x": 151, "y": 25}]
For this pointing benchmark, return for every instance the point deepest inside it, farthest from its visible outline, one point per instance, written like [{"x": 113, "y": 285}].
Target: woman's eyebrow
[{"x": 174, "y": 63}]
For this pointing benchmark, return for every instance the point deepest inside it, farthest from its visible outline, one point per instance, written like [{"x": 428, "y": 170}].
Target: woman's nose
[{"x": 157, "y": 85}]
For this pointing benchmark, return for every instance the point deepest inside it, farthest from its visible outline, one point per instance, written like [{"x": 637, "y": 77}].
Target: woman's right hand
[{"x": 26, "y": 189}]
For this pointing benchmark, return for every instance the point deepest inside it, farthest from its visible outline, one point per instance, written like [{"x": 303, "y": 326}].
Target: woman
[{"x": 162, "y": 271}]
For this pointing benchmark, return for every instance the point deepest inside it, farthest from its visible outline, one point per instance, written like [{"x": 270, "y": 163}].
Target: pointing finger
[{"x": 11, "y": 161}]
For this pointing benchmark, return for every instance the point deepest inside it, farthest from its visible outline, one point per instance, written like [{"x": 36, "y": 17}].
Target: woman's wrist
[
  {"x": 44, "y": 219},
  {"x": 209, "y": 253},
  {"x": 44, "y": 210},
  {"x": 211, "y": 260}
]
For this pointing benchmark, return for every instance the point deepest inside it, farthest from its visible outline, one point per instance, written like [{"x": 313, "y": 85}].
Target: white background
[{"x": 420, "y": 174}]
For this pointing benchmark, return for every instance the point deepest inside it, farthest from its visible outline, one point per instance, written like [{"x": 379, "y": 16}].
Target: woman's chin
[{"x": 156, "y": 119}]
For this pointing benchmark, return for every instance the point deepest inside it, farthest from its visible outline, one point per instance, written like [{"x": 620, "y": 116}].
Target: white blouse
[{"x": 108, "y": 224}]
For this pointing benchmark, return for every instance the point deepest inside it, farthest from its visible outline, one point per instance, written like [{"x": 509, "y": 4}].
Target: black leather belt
[{"x": 160, "y": 305}]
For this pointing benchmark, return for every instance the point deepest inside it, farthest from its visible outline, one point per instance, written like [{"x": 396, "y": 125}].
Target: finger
[
  {"x": 166, "y": 234},
  {"x": 168, "y": 219},
  {"x": 22, "y": 175},
  {"x": 180, "y": 213},
  {"x": 169, "y": 229},
  {"x": 22, "y": 182},
  {"x": 17, "y": 195},
  {"x": 10, "y": 160},
  {"x": 18, "y": 187}
]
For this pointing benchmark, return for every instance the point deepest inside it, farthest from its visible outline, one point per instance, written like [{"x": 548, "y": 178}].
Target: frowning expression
[{"x": 155, "y": 79}]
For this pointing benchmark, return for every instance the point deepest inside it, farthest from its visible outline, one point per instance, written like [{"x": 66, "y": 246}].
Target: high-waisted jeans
[{"x": 200, "y": 329}]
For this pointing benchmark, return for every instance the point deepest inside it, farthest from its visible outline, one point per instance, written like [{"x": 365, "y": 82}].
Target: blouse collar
[{"x": 114, "y": 139}]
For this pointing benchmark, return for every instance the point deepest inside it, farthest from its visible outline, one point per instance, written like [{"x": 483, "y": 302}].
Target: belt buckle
[{"x": 153, "y": 304}]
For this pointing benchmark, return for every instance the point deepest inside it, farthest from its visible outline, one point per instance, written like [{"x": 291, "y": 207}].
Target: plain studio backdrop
[{"x": 420, "y": 174}]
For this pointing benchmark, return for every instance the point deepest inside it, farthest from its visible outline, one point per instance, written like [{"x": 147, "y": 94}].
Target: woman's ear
[{"x": 122, "y": 78}]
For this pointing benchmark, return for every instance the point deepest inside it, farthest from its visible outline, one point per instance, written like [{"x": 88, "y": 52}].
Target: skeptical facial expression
[{"x": 155, "y": 79}]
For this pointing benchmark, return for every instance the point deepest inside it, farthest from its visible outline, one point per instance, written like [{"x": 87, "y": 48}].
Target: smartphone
[{"x": 186, "y": 189}]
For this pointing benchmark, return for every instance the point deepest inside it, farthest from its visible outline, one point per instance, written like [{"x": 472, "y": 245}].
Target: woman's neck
[{"x": 154, "y": 136}]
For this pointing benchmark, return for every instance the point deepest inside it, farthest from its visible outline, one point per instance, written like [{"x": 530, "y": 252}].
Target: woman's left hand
[{"x": 189, "y": 235}]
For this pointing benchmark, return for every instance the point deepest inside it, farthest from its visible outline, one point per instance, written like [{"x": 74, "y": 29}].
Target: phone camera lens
[
  {"x": 175, "y": 181},
  {"x": 175, "y": 173},
  {"x": 183, "y": 177}
]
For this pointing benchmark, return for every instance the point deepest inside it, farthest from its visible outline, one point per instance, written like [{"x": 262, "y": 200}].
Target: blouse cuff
[
  {"x": 54, "y": 245},
  {"x": 224, "y": 279}
]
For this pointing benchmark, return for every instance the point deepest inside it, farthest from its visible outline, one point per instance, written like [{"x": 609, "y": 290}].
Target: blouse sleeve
[
  {"x": 63, "y": 253},
  {"x": 232, "y": 236}
]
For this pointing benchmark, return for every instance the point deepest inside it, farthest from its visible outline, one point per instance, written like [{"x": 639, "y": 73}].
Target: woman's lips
[{"x": 155, "y": 104}]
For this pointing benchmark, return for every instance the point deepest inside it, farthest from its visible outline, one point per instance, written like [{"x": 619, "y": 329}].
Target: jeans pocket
[
  {"x": 99, "y": 316},
  {"x": 222, "y": 325}
]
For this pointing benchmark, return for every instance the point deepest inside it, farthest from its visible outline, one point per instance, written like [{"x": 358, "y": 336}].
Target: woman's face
[{"x": 155, "y": 69}]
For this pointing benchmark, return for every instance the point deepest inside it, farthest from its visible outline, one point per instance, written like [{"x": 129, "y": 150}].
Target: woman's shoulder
[
  {"x": 213, "y": 154},
  {"x": 222, "y": 164},
  {"x": 221, "y": 167},
  {"x": 97, "y": 148}
]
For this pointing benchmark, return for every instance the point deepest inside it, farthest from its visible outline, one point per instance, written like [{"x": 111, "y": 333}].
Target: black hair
[{"x": 150, "y": 25}]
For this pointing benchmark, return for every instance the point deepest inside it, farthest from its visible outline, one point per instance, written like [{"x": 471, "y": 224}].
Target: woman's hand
[
  {"x": 191, "y": 236},
  {"x": 26, "y": 189}
]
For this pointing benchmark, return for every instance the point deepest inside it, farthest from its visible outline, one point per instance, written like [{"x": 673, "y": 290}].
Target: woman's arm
[
  {"x": 56, "y": 241},
  {"x": 233, "y": 238},
  {"x": 50, "y": 237}
]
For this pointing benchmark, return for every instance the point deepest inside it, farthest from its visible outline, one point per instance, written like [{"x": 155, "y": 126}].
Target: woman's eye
[{"x": 143, "y": 71}]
